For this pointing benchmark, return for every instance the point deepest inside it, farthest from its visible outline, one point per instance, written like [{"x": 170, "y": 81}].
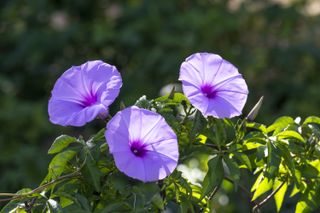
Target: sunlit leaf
[
  {"x": 290, "y": 134},
  {"x": 312, "y": 119},
  {"x": 202, "y": 139},
  {"x": 279, "y": 196},
  {"x": 280, "y": 124},
  {"x": 59, "y": 162},
  {"x": 257, "y": 182},
  {"x": 243, "y": 158},
  {"x": 61, "y": 143},
  {"x": 262, "y": 187},
  {"x": 294, "y": 191},
  {"x": 273, "y": 159},
  {"x": 256, "y": 126}
]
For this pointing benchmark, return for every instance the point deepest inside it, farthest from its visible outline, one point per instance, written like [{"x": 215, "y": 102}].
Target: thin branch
[
  {"x": 267, "y": 198},
  {"x": 38, "y": 189},
  {"x": 215, "y": 190}
]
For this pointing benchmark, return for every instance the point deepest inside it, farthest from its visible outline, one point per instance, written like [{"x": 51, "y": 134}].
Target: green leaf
[
  {"x": 114, "y": 207},
  {"x": 185, "y": 205},
  {"x": 16, "y": 205},
  {"x": 244, "y": 159},
  {"x": 287, "y": 159},
  {"x": 294, "y": 191},
  {"x": 92, "y": 173},
  {"x": 61, "y": 143},
  {"x": 234, "y": 171},
  {"x": 309, "y": 200},
  {"x": 12, "y": 206},
  {"x": 257, "y": 126},
  {"x": 100, "y": 135},
  {"x": 312, "y": 119},
  {"x": 264, "y": 186},
  {"x": 254, "y": 142},
  {"x": 83, "y": 201},
  {"x": 198, "y": 124},
  {"x": 157, "y": 201},
  {"x": 143, "y": 102},
  {"x": 280, "y": 124},
  {"x": 311, "y": 169},
  {"x": 177, "y": 97},
  {"x": 290, "y": 134},
  {"x": 59, "y": 162},
  {"x": 302, "y": 207},
  {"x": 273, "y": 159},
  {"x": 279, "y": 196},
  {"x": 214, "y": 175},
  {"x": 257, "y": 182}
]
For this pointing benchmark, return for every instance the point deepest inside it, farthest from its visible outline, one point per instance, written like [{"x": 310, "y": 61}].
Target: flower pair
[{"x": 143, "y": 145}]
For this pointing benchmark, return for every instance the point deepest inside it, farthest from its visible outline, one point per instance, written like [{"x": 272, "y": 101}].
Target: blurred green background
[{"x": 274, "y": 43}]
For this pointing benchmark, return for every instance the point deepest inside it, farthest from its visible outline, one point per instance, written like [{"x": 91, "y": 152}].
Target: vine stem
[
  {"x": 258, "y": 205},
  {"x": 14, "y": 196},
  {"x": 215, "y": 190}
]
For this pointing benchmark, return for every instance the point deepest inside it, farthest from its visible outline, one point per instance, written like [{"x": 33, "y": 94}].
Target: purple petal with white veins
[
  {"x": 213, "y": 85},
  {"x": 84, "y": 92},
  {"x": 137, "y": 135}
]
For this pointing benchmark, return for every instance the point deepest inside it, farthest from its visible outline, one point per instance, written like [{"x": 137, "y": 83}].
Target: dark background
[{"x": 275, "y": 44}]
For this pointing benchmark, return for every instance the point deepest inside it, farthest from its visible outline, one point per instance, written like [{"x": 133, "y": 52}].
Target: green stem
[{"x": 38, "y": 189}]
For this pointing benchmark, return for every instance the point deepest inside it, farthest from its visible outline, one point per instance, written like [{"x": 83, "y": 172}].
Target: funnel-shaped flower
[
  {"x": 213, "y": 85},
  {"x": 143, "y": 145},
  {"x": 84, "y": 92}
]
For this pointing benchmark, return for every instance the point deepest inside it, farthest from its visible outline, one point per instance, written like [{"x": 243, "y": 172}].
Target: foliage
[
  {"x": 274, "y": 46},
  {"x": 284, "y": 157}
]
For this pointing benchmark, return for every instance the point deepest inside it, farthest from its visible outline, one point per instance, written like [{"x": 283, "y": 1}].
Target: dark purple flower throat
[
  {"x": 89, "y": 99},
  {"x": 138, "y": 148},
  {"x": 208, "y": 91}
]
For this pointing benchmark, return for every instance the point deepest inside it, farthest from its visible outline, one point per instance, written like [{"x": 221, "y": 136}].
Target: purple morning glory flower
[
  {"x": 213, "y": 85},
  {"x": 84, "y": 92},
  {"x": 143, "y": 145}
]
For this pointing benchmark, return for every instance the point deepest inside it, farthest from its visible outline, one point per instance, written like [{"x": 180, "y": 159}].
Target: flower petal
[
  {"x": 83, "y": 92},
  {"x": 139, "y": 134},
  {"x": 222, "y": 92}
]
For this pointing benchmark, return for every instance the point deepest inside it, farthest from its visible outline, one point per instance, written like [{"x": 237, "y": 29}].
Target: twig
[
  {"x": 213, "y": 192},
  {"x": 267, "y": 198},
  {"x": 38, "y": 189}
]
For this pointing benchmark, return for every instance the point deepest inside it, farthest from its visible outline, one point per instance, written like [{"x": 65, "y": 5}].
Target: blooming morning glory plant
[
  {"x": 84, "y": 92},
  {"x": 213, "y": 85},
  {"x": 143, "y": 145},
  {"x": 84, "y": 177}
]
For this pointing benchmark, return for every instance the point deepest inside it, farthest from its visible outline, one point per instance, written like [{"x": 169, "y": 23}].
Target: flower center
[
  {"x": 208, "y": 91},
  {"x": 89, "y": 100},
  {"x": 137, "y": 148}
]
